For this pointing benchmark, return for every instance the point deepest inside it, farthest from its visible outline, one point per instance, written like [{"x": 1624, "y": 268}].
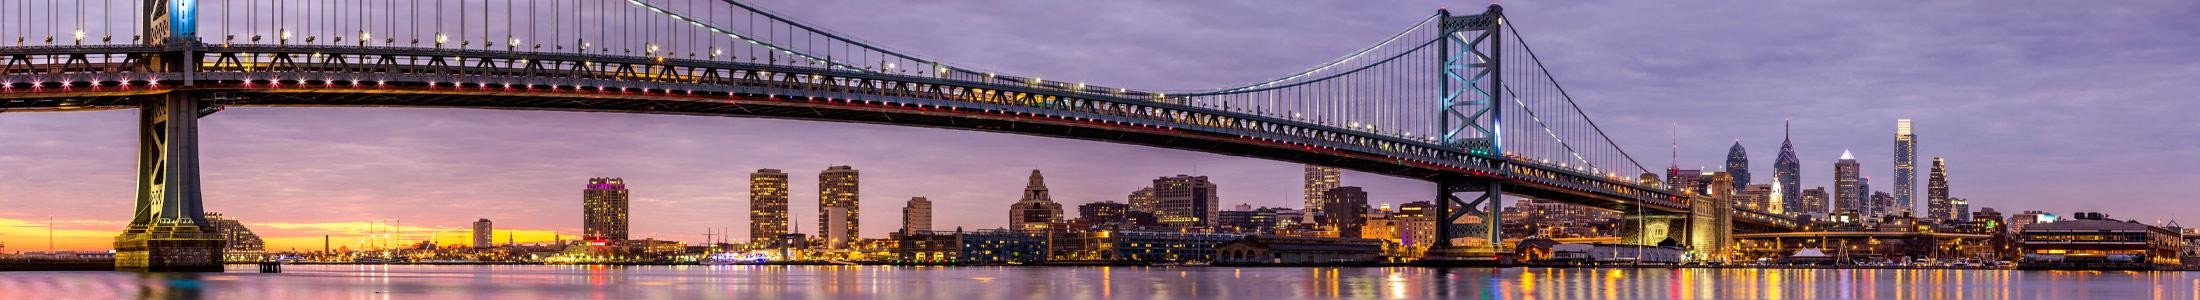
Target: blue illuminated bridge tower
[{"x": 1458, "y": 100}]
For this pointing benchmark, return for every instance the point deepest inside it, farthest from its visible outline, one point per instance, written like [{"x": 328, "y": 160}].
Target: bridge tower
[
  {"x": 1469, "y": 86},
  {"x": 169, "y": 231}
]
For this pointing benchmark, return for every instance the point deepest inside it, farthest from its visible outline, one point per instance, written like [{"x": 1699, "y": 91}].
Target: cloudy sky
[{"x": 2037, "y": 105}]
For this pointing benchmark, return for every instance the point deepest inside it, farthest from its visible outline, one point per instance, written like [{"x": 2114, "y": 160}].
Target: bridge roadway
[{"x": 70, "y": 78}]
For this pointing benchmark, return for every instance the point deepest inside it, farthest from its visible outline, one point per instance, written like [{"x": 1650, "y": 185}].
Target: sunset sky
[{"x": 2037, "y": 105}]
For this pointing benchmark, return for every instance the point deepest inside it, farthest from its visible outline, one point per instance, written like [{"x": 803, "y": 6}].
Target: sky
[{"x": 2037, "y": 105}]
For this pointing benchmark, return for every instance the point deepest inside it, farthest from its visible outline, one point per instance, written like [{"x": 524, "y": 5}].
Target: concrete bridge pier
[{"x": 169, "y": 232}]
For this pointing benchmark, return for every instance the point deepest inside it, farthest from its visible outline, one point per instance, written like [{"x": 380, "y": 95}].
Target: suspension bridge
[{"x": 1459, "y": 100}]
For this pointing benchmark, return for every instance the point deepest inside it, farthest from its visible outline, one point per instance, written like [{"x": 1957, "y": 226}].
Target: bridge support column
[
  {"x": 169, "y": 232},
  {"x": 1711, "y": 221},
  {"x": 1456, "y": 218}
]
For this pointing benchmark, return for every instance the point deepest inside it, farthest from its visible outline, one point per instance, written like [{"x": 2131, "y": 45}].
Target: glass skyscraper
[
  {"x": 1737, "y": 165},
  {"x": 1787, "y": 171},
  {"x": 1905, "y": 167}
]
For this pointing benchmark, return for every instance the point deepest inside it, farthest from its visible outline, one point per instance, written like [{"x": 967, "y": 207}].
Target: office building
[
  {"x": 1346, "y": 209},
  {"x": 1905, "y": 168},
  {"x": 1756, "y": 197},
  {"x": 604, "y": 210},
  {"x": 1186, "y": 201},
  {"x": 767, "y": 206},
  {"x": 836, "y": 188},
  {"x": 1937, "y": 204},
  {"x": 484, "y": 233},
  {"x": 1846, "y": 196},
  {"x": 1787, "y": 171},
  {"x": 1142, "y": 200},
  {"x": 1319, "y": 179},
  {"x": 1104, "y": 214},
  {"x": 1036, "y": 211},
  {"x": 1737, "y": 165},
  {"x": 2029, "y": 217},
  {"x": 917, "y": 215},
  {"x": 1813, "y": 201}
]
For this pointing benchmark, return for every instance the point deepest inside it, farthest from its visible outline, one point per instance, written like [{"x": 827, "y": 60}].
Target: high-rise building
[
  {"x": 1812, "y": 201},
  {"x": 917, "y": 216},
  {"x": 1846, "y": 197},
  {"x": 1346, "y": 210},
  {"x": 1864, "y": 197},
  {"x": 767, "y": 206},
  {"x": 1962, "y": 207},
  {"x": 1319, "y": 179},
  {"x": 484, "y": 233},
  {"x": 1882, "y": 203},
  {"x": 1737, "y": 165},
  {"x": 604, "y": 207},
  {"x": 1186, "y": 201},
  {"x": 1681, "y": 180},
  {"x": 1142, "y": 200},
  {"x": 836, "y": 221},
  {"x": 1905, "y": 168},
  {"x": 836, "y": 188},
  {"x": 1788, "y": 172},
  {"x": 1037, "y": 210},
  {"x": 1937, "y": 205}
]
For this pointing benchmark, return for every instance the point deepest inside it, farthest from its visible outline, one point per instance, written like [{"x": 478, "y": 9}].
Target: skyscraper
[
  {"x": 1882, "y": 203},
  {"x": 1186, "y": 201},
  {"x": 1319, "y": 179},
  {"x": 1962, "y": 208},
  {"x": 604, "y": 207},
  {"x": 1737, "y": 165},
  {"x": 1937, "y": 206},
  {"x": 1864, "y": 197},
  {"x": 1036, "y": 211},
  {"x": 836, "y": 188},
  {"x": 1812, "y": 201},
  {"x": 1905, "y": 168},
  {"x": 767, "y": 206},
  {"x": 1846, "y": 177},
  {"x": 1788, "y": 172},
  {"x": 917, "y": 216},
  {"x": 1346, "y": 207},
  {"x": 484, "y": 233}
]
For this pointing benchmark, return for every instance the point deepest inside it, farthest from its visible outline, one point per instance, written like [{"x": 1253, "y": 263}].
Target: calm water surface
[{"x": 973, "y": 283}]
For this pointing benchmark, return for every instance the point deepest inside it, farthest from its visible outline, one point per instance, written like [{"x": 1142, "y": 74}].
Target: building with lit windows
[
  {"x": 767, "y": 207},
  {"x": 2092, "y": 241},
  {"x": 1346, "y": 211},
  {"x": 484, "y": 233},
  {"x": 604, "y": 210},
  {"x": 1737, "y": 164},
  {"x": 1319, "y": 179},
  {"x": 1787, "y": 171},
  {"x": 836, "y": 188},
  {"x": 1142, "y": 200},
  {"x": 1937, "y": 203},
  {"x": 1037, "y": 211},
  {"x": 2026, "y": 218},
  {"x": 1846, "y": 193},
  {"x": 1754, "y": 197},
  {"x": 241, "y": 244},
  {"x": 1905, "y": 168},
  {"x": 1186, "y": 202},
  {"x": 1812, "y": 201},
  {"x": 917, "y": 215}
]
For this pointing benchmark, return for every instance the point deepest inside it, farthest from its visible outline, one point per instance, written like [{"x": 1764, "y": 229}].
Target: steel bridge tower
[
  {"x": 169, "y": 231},
  {"x": 1470, "y": 85}
]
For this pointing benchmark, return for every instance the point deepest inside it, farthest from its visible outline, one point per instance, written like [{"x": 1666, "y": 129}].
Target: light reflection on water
[{"x": 972, "y": 283}]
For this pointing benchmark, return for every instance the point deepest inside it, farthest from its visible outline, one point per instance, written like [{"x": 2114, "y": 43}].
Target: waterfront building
[
  {"x": 1104, "y": 214},
  {"x": 604, "y": 210},
  {"x": 1937, "y": 203},
  {"x": 1737, "y": 165},
  {"x": 1614, "y": 254},
  {"x": 927, "y": 247},
  {"x": 1143, "y": 200},
  {"x": 1417, "y": 227},
  {"x": 1319, "y": 179},
  {"x": 241, "y": 245},
  {"x": 1289, "y": 250},
  {"x": 917, "y": 215},
  {"x": 1895, "y": 241},
  {"x": 999, "y": 246},
  {"x": 767, "y": 207},
  {"x": 837, "y": 188},
  {"x": 1905, "y": 168},
  {"x": 1151, "y": 247},
  {"x": 1787, "y": 171},
  {"x": 484, "y": 233},
  {"x": 2091, "y": 240},
  {"x": 1846, "y": 196},
  {"x": 1346, "y": 210},
  {"x": 1247, "y": 220},
  {"x": 1037, "y": 211},
  {"x": 2029, "y": 217},
  {"x": 1186, "y": 202}
]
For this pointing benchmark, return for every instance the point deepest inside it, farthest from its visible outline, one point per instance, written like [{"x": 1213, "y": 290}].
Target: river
[{"x": 977, "y": 283}]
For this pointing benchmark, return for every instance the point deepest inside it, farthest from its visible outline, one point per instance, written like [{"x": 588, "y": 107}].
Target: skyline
[{"x": 72, "y": 168}]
